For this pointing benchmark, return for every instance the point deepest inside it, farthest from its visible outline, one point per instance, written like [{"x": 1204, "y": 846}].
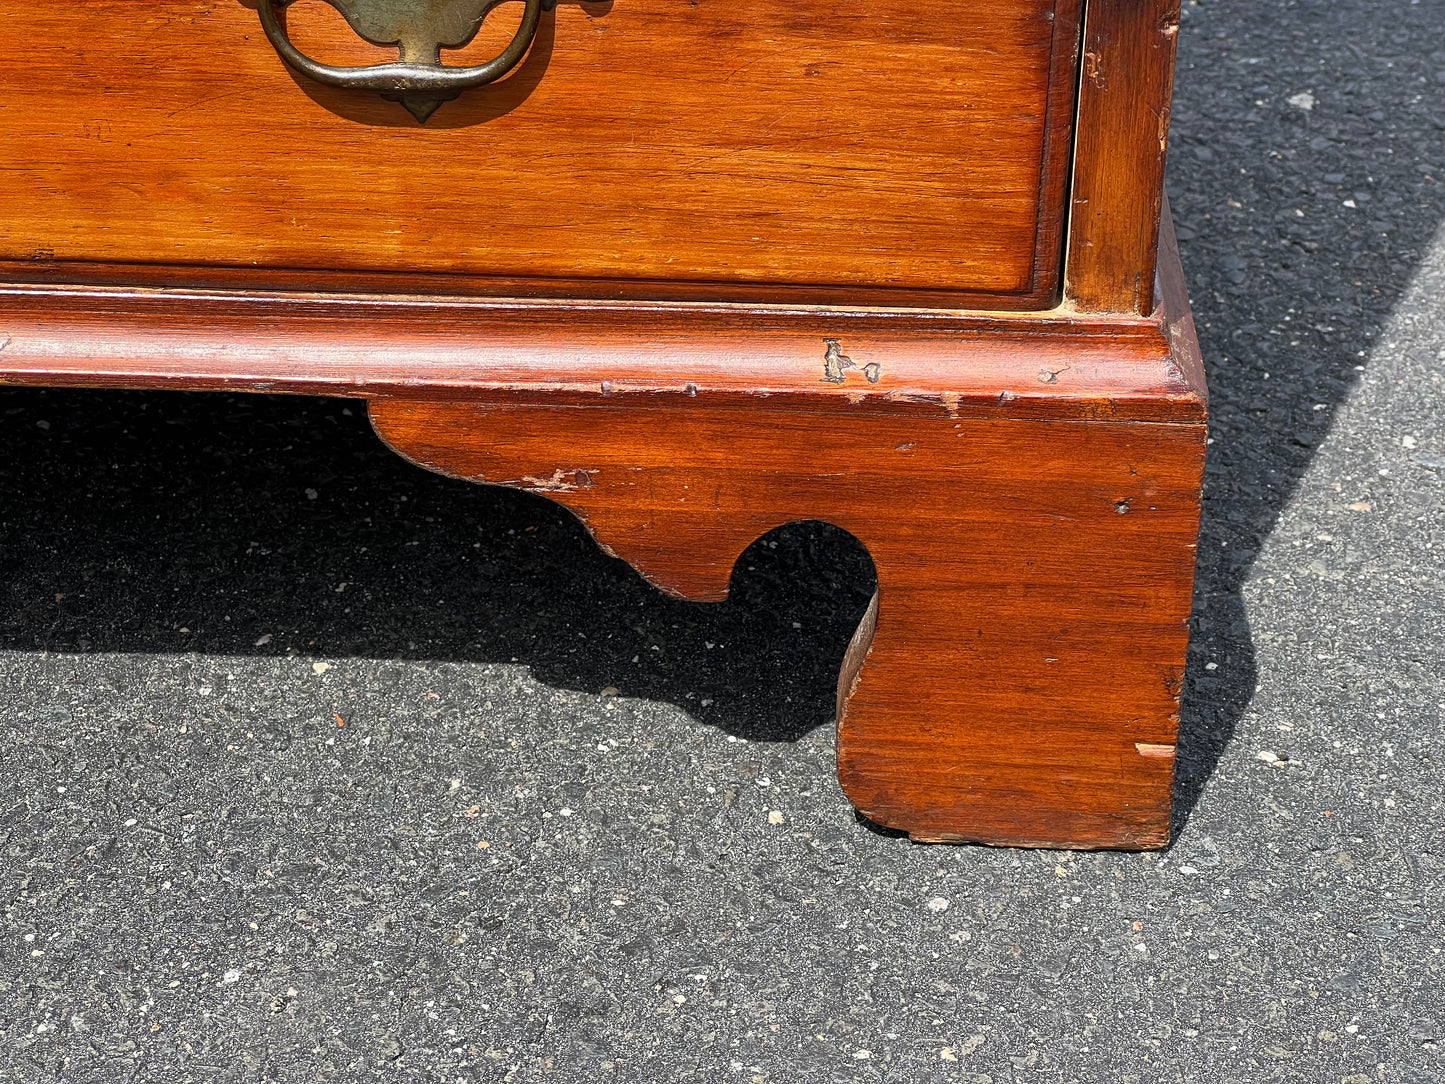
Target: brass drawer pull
[{"x": 419, "y": 29}]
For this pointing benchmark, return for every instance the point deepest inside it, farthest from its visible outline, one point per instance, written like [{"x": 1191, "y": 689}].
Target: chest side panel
[{"x": 865, "y": 144}]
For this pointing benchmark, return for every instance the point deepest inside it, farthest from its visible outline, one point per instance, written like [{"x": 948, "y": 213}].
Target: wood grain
[
  {"x": 1018, "y": 680},
  {"x": 1021, "y": 365},
  {"x": 647, "y": 275},
  {"x": 1034, "y": 583},
  {"x": 872, "y": 145},
  {"x": 1027, "y": 485},
  {"x": 1125, "y": 87}
]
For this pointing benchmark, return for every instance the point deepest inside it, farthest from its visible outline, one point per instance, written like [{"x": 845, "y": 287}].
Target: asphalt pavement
[{"x": 320, "y": 767}]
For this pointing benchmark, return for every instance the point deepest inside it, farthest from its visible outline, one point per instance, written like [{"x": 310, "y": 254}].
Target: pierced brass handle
[{"x": 420, "y": 29}]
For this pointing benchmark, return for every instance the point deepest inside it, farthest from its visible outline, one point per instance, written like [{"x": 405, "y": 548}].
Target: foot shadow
[
  {"x": 1306, "y": 180},
  {"x": 134, "y": 516},
  {"x": 217, "y": 524}
]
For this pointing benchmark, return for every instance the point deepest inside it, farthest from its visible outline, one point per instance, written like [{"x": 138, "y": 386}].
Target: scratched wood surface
[
  {"x": 1028, "y": 487},
  {"x": 1028, "y": 483},
  {"x": 1024, "y": 365},
  {"x": 867, "y": 145},
  {"x": 1018, "y": 679},
  {"x": 1125, "y": 92},
  {"x": 1021, "y": 684}
]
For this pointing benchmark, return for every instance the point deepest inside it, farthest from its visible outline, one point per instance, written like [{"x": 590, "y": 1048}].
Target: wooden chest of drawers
[{"x": 696, "y": 270}]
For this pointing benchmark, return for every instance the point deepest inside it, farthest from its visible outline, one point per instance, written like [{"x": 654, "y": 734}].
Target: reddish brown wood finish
[
  {"x": 1084, "y": 367},
  {"x": 743, "y": 149},
  {"x": 1021, "y": 684},
  {"x": 1034, "y": 583},
  {"x": 1027, "y": 482},
  {"x": 1126, "y": 80},
  {"x": 1028, "y": 488}
]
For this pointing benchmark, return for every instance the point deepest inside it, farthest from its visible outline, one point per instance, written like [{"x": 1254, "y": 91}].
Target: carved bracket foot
[{"x": 1017, "y": 679}]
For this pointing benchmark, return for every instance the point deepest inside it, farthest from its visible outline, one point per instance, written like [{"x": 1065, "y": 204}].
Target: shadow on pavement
[
  {"x": 146, "y": 522},
  {"x": 1306, "y": 179},
  {"x": 1306, "y": 183}
]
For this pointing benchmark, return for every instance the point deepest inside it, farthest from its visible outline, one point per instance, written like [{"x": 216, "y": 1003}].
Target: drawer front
[{"x": 870, "y": 150}]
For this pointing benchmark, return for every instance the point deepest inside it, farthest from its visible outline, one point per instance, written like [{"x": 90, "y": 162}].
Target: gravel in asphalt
[{"x": 320, "y": 767}]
